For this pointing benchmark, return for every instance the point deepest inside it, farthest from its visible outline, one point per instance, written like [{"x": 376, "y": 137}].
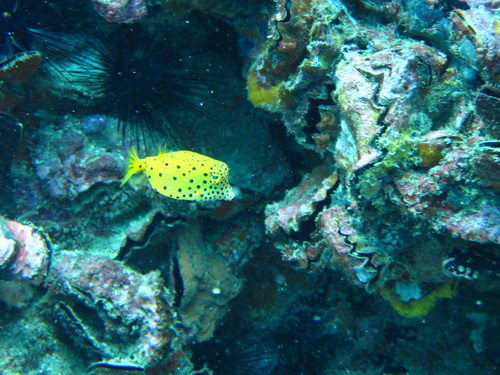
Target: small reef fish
[
  {"x": 471, "y": 263},
  {"x": 183, "y": 175}
]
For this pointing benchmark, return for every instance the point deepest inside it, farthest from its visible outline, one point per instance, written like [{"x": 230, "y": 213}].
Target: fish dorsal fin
[{"x": 162, "y": 150}]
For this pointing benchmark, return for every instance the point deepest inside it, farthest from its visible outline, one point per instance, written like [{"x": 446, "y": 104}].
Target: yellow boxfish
[{"x": 183, "y": 175}]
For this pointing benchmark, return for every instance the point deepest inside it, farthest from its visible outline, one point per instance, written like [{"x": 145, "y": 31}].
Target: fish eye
[{"x": 215, "y": 177}]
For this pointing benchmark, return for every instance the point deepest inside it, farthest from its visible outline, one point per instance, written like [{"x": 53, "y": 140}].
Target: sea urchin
[{"x": 152, "y": 84}]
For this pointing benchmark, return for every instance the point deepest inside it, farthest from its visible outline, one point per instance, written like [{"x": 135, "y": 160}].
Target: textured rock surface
[{"x": 134, "y": 308}]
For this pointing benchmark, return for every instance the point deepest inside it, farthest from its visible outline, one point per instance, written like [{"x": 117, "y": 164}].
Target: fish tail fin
[{"x": 133, "y": 166}]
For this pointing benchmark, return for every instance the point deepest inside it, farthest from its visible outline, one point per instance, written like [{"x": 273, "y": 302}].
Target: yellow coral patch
[
  {"x": 424, "y": 305},
  {"x": 429, "y": 154},
  {"x": 266, "y": 98}
]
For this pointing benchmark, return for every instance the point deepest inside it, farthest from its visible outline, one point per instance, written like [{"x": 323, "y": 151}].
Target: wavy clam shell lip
[
  {"x": 124, "y": 300},
  {"x": 20, "y": 67},
  {"x": 13, "y": 71},
  {"x": 24, "y": 253}
]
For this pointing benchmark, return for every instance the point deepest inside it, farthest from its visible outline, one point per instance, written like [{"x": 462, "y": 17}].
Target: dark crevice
[
  {"x": 307, "y": 227},
  {"x": 451, "y": 5},
  {"x": 362, "y": 12},
  {"x": 178, "y": 282},
  {"x": 301, "y": 159},
  {"x": 490, "y": 92},
  {"x": 288, "y": 16},
  {"x": 313, "y": 116},
  {"x": 131, "y": 244}
]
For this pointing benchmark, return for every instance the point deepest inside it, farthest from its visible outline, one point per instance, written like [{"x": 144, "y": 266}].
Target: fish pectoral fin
[{"x": 197, "y": 195}]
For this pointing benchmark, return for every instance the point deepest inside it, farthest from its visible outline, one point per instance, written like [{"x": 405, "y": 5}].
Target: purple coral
[
  {"x": 23, "y": 252},
  {"x": 139, "y": 302},
  {"x": 431, "y": 196},
  {"x": 73, "y": 161},
  {"x": 24, "y": 261},
  {"x": 300, "y": 202}
]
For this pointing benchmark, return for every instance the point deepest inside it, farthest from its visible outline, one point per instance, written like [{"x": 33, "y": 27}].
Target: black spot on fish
[
  {"x": 160, "y": 174},
  {"x": 194, "y": 168},
  {"x": 178, "y": 167},
  {"x": 180, "y": 190},
  {"x": 205, "y": 174},
  {"x": 191, "y": 181},
  {"x": 215, "y": 177},
  {"x": 164, "y": 188},
  {"x": 190, "y": 195},
  {"x": 175, "y": 178},
  {"x": 166, "y": 164},
  {"x": 204, "y": 181},
  {"x": 198, "y": 186}
]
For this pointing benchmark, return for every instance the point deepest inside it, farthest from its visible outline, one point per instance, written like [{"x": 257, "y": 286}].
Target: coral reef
[
  {"x": 405, "y": 137},
  {"x": 364, "y": 222}
]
